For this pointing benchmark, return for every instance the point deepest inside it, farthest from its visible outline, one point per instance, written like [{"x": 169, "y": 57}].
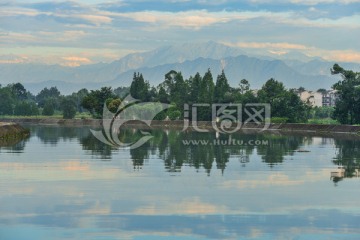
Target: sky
[{"x": 73, "y": 33}]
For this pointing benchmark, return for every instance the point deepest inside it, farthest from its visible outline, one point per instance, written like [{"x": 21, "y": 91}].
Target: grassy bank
[
  {"x": 55, "y": 116},
  {"x": 179, "y": 124}
]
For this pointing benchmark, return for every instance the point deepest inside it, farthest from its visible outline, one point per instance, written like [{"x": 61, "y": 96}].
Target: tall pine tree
[{"x": 221, "y": 88}]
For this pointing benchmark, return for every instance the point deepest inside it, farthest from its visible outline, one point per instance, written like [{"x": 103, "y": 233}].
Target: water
[{"x": 62, "y": 183}]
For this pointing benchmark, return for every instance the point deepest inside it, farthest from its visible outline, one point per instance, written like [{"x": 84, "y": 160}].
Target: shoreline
[{"x": 179, "y": 124}]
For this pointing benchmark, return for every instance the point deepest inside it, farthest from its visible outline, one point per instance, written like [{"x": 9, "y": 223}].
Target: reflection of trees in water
[
  {"x": 278, "y": 146},
  {"x": 13, "y": 145},
  {"x": 168, "y": 146},
  {"x": 347, "y": 157},
  {"x": 95, "y": 147},
  {"x": 53, "y": 134}
]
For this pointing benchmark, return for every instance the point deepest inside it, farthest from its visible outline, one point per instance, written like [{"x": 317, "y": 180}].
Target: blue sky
[{"x": 73, "y": 33}]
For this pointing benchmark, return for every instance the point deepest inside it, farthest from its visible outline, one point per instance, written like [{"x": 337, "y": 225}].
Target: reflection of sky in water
[{"x": 56, "y": 187}]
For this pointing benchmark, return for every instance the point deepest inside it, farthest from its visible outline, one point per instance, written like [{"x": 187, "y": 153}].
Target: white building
[
  {"x": 318, "y": 99},
  {"x": 314, "y": 99},
  {"x": 329, "y": 98}
]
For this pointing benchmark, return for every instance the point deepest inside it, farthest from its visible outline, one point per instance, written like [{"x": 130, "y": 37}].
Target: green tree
[
  {"x": 321, "y": 90},
  {"x": 178, "y": 94},
  {"x": 347, "y": 108},
  {"x": 19, "y": 91},
  {"x": 23, "y": 108},
  {"x": 284, "y": 103},
  {"x": 7, "y": 101},
  {"x": 68, "y": 107},
  {"x": 139, "y": 88},
  {"x": 48, "y": 109},
  {"x": 121, "y": 92},
  {"x": 207, "y": 88},
  {"x": 95, "y": 100},
  {"x": 196, "y": 88},
  {"x": 244, "y": 86},
  {"x": 163, "y": 96},
  {"x": 113, "y": 104},
  {"x": 45, "y": 94},
  {"x": 78, "y": 97},
  {"x": 221, "y": 88}
]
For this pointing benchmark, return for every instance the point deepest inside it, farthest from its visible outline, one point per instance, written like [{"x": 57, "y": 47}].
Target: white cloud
[
  {"x": 283, "y": 45},
  {"x": 193, "y": 19},
  {"x": 75, "y": 61}
]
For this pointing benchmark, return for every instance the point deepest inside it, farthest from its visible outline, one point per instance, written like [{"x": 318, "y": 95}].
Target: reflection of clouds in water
[
  {"x": 188, "y": 206},
  {"x": 58, "y": 171},
  {"x": 278, "y": 179}
]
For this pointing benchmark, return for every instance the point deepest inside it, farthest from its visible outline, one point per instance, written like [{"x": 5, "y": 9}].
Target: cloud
[
  {"x": 13, "y": 59},
  {"x": 268, "y": 45},
  {"x": 193, "y": 19},
  {"x": 342, "y": 56},
  {"x": 75, "y": 61},
  {"x": 128, "y": 26},
  {"x": 11, "y": 37}
]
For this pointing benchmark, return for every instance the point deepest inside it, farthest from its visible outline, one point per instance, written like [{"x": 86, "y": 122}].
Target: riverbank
[
  {"x": 11, "y": 133},
  {"x": 285, "y": 127}
]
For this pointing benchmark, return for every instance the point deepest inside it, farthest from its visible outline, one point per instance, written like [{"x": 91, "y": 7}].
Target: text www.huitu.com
[{"x": 225, "y": 142}]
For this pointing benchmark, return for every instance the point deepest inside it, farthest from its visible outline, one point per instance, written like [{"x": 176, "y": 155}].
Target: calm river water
[{"x": 62, "y": 183}]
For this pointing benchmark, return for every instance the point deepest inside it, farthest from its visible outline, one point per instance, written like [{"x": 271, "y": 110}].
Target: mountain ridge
[{"x": 189, "y": 58}]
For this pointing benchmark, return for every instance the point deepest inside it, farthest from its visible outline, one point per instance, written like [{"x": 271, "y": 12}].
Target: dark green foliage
[
  {"x": 244, "y": 86},
  {"x": 68, "y": 107},
  {"x": 139, "y": 88},
  {"x": 207, "y": 88},
  {"x": 284, "y": 103},
  {"x": 222, "y": 88},
  {"x": 163, "y": 96},
  {"x": 48, "y": 109},
  {"x": 174, "y": 114},
  {"x": 19, "y": 91},
  {"x": 347, "y": 109},
  {"x": 46, "y": 94},
  {"x": 121, "y": 92},
  {"x": 78, "y": 97},
  {"x": 322, "y": 112},
  {"x": 7, "y": 101},
  {"x": 23, "y": 108},
  {"x": 94, "y": 101},
  {"x": 113, "y": 104},
  {"x": 196, "y": 90},
  {"x": 322, "y": 90}
]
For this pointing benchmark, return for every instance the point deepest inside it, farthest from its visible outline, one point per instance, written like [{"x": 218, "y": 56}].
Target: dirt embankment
[
  {"x": 11, "y": 133},
  {"x": 285, "y": 127}
]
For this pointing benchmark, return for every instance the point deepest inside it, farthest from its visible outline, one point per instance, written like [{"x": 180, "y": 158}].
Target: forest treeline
[{"x": 286, "y": 105}]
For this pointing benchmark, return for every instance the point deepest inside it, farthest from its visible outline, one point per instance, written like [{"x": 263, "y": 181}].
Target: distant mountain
[
  {"x": 319, "y": 67},
  {"x": 176, "y": 54},
  {"x": 255, "y": 70},
  {"x": 294, "y": 69},
  {"x": 103, "y": 72}
]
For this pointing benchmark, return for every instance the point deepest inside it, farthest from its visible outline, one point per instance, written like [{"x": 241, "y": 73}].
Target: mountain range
[{"x": 293, "y": 69}]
